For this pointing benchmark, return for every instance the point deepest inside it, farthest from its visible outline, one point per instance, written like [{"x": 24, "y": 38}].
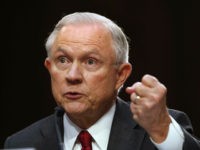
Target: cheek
[
  {"x": 56, "y": 84},
  {"x": 103, "y": 83},
  {"x": 56, "y": 79},
  {"x": 102, "y": 92}
]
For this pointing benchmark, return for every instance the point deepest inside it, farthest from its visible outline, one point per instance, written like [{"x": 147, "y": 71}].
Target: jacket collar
[{"x": 125, "y": 132}]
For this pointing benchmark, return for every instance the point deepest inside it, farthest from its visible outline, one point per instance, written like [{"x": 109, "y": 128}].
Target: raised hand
[{"x": 148, "y": 105}]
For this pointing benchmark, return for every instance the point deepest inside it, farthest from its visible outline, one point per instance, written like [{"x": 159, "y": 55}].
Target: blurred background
[{"x": 164, "y": 42}]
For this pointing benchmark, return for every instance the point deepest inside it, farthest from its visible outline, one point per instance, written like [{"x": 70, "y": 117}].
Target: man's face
[{"x": 84, "y": 76}]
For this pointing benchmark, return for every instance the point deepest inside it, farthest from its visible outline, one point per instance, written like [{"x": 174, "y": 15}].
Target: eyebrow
[{"x": 61, "y": 49}]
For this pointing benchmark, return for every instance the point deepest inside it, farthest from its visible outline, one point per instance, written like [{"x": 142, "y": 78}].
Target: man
[{"x": 88, "y": 64}]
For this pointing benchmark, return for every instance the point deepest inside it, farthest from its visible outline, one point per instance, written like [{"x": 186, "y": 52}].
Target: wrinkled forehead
[
  {"x": 85, "y": 36},
  {"x": 94, "y": 29}
]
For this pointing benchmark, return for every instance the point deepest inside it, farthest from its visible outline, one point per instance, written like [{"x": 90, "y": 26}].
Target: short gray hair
[{"x": 120, "y": 42}]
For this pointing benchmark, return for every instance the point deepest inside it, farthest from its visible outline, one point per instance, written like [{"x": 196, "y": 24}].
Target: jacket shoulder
[
  {"x": 32, "y": 134},
  {"x": 182, "y": 119}
]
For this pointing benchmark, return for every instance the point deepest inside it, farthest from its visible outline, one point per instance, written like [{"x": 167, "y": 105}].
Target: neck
[{"x": 87, "y": 120}]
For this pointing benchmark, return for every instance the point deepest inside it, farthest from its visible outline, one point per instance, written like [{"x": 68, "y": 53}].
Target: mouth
[{"x": 73, "y": 95}]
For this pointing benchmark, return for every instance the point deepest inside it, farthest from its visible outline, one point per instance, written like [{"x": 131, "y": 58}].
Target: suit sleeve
[
  {"x": 6, "y": 143},
  {"x": 190, "y": 142}
]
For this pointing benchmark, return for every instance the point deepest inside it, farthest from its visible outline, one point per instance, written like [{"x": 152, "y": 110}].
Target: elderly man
[{"x": 88, "y": 64}]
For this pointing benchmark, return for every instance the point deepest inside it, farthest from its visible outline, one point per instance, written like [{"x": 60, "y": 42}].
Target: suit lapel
[
  {"x": 125, "y": 133},
  {"x": 52, "y": 131}
]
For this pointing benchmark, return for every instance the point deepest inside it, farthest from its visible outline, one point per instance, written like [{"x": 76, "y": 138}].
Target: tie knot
[{"x": 86, "y": 140}]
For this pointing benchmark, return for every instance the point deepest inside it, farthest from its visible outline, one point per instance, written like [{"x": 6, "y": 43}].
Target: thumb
[{"x": 130, "y": 90}]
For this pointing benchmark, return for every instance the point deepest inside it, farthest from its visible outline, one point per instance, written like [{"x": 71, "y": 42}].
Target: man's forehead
[
  {"x": 85, "y": 27},
  {"x": 64, "y": 49},
  {"x": 84, "y": 35}
]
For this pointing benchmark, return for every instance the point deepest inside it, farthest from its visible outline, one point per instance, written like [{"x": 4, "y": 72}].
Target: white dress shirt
[
  {"x": 175, "y": 138},
  {"x": 100, "y": 132}
]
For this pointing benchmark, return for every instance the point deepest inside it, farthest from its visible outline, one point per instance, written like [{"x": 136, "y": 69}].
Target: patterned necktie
[{"x": 86, "y": 140}]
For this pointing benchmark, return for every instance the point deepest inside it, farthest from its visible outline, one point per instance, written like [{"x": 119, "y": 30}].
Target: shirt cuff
[{"x": 174, "y": 140}]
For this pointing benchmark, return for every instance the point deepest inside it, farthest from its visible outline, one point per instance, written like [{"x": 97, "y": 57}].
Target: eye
[
  {"x": 62, "y": 62},
  {"x": 92, "y": 64},
  {"x": 91, "y": 61},
  {"x": 63, "y": 59}
]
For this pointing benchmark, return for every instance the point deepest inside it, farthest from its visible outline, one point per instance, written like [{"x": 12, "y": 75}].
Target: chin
[{"x": 75, "y": 108}]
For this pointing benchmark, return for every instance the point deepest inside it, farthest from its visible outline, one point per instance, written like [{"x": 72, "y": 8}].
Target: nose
[{"x": 74, "y": 75}]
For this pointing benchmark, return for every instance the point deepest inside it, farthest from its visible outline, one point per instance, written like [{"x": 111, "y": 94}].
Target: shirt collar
[
  {"x": 71, "y": 132},
  {"x": 100, "y": 131}
]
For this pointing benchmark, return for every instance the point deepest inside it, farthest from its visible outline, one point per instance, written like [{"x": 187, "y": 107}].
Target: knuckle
[
  {"x": 138, "y": 86},
  {"x": 145, "y": 77},
  {"x": 162, "y": 89},
  {"x": 148, "y": 105},
  {"x": 148, "y": 77}
]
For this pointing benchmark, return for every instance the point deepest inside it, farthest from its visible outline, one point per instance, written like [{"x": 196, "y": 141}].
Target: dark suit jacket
[{"x": 126, "y": 134}]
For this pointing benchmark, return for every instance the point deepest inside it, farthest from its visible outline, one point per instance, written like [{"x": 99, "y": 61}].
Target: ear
[
  {"x": 124, "y": 72},
  {"x": 47, "y": 64}
]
